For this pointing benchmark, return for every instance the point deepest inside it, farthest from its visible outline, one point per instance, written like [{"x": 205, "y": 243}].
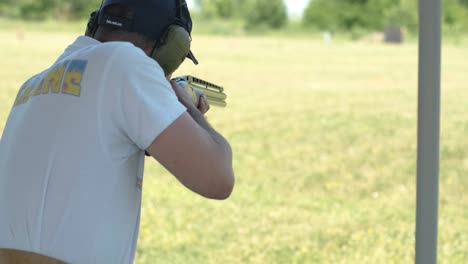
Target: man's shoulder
[
  {"x": 122, "y": 53},
  {"x": 120, "y": 46},
  {"x": 115, "y": 56},
  {"x": 85, "y": 46},
  {"x": 112, "y": 48}
]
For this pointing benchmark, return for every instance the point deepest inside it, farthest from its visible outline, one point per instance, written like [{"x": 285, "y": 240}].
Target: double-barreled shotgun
[{"x": 196, "y": 86}]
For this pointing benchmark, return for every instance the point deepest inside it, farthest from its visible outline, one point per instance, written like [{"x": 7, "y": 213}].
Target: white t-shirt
[{"x": 72, "y": 153}]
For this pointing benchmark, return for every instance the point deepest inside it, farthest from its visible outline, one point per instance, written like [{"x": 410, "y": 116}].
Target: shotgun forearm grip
[{"x": 196, "y": 87}]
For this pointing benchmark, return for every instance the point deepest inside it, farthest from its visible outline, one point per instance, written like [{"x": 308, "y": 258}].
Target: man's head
[{"x": 160, "y": 27}]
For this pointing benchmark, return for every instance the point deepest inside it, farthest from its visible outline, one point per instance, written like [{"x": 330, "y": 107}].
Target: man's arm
[{"x": 196, "y": 154}]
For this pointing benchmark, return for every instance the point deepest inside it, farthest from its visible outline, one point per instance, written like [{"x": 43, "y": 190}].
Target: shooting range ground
[{"x": 324, "y": 140}]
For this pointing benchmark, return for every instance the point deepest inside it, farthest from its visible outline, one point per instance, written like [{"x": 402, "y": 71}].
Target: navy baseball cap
[{"x": 150, "y": 17}]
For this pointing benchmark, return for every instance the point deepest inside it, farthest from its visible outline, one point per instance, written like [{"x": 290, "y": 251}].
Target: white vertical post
[{"x": 428, "y": 131}]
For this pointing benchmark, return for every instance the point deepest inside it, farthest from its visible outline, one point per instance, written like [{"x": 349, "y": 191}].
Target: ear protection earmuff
[
  {"x": 92, "y": 24},
  {"x": 173, "y": 45},
  {"x": 172, "y": 49}
]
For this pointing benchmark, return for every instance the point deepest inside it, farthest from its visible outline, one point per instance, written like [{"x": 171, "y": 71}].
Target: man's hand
[
  {"x": 186, "y": 99},
  {"x": 203, "y": 105}
]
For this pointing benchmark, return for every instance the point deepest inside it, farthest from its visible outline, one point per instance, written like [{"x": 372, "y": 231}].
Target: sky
[{"x": 295, "y": 7}]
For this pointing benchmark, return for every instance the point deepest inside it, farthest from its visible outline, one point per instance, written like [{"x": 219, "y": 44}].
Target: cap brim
[{"x": 192, "y": 57}]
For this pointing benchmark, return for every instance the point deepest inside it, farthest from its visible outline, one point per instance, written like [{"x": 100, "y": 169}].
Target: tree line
[
  {"x": 44, "y": 9},
  {"x": 323, "y": 15},
  {"x": 334, "y": 15}
]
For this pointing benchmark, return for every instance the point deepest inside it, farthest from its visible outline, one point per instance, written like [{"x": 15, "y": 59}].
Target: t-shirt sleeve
[{"x": 147, "y": 104}]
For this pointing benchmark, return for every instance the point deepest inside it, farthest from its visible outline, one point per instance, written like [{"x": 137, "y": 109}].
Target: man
[{"x": 72, "y": 151}]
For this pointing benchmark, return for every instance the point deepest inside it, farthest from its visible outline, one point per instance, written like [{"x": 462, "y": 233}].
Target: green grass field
[{"x": 324, "y": 139}]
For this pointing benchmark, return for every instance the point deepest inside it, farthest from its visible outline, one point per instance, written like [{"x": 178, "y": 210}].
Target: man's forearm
[
  {"x": 196, "y": 112},
  {"x": 201, "y": 121},
  {"x": 221, "y": 142}
]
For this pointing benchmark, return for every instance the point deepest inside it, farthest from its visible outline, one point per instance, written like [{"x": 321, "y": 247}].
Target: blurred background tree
[
  {"x": 223, "y": 9},
  {"x": 403, "y": 13},
  {"x": 341, "y": 15},
  {"x": 44, "y": 9},
  {"x": 253, "y": 13},
  {"x": 266, "y": 14},
  {"x": 455, "y": 17},
  {"x": 8, "y": 8},
  {"x": 371, "y": 15}
]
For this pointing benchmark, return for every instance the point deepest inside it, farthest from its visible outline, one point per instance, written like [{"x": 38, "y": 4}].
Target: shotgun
[{"x": 196, "y": 87}]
